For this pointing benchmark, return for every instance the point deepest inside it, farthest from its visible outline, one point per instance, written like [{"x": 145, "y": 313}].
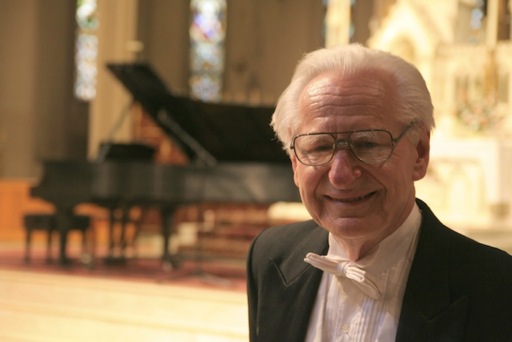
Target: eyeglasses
[{"x": 372, "y": 146}]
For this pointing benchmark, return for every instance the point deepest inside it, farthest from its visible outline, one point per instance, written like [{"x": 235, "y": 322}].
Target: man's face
[{"x": 359, "y": 203}]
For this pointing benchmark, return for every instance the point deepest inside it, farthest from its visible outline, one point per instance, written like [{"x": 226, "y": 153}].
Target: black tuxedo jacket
[{"x": 457, "y": 290}]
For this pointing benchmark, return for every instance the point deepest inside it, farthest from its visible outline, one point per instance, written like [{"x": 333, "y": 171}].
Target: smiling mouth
[{"x": 353, "y": 199}]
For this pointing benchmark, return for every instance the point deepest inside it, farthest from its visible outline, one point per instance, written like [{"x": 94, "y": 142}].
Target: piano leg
[
  {"x": 169, "y": 260},
  {"x": 125, "y": 220},
  {"x": 118, "y": 218},
  {"x": 63, "y": 221},
  {"x": 111, "y": 232}
]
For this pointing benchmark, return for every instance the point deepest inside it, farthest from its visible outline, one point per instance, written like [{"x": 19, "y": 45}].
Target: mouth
[{"x": 352, "y": 200}]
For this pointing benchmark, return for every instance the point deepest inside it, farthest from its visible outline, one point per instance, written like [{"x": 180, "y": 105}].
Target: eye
[
  {"x": 365, "y": 144},
  {"x": 321, "y": 147},
  {"x": 370, "y": 140},
  {"x": 315, "y": 144}
]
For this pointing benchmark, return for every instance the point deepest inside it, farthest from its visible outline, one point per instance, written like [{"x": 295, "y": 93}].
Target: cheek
[
  {"x": 306, "y": 178},
  {"x": 400, "y": 184},
  {"x": 395, "y": 177}
]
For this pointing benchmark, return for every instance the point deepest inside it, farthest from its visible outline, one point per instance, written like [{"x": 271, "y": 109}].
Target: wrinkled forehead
[
  {"x": 375, "y": 82},
  {"x": 366, "y": 93}
]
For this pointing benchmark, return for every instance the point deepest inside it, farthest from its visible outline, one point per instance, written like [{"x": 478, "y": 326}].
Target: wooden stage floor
[
  {"x": 45, "y": 306},
  {"x": 138, "y": 301}
]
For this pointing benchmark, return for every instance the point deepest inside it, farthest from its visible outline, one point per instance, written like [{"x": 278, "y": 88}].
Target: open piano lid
[{"x": 226, "y": 132}]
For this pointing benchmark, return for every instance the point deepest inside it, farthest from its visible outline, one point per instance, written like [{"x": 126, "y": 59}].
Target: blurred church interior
[
  {"x": 61, "y": 102},
  {"x": 88, "y": 83}
]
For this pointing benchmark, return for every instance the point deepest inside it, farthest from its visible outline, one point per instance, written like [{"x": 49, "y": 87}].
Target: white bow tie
[{"x": 347, "y": 269}]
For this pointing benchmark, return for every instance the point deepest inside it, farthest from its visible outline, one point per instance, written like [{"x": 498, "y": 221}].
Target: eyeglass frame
[{"x": 340, "y": 144}]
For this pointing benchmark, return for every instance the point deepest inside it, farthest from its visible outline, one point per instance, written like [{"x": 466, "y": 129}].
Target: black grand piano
[{"x": 234, "y": 158}]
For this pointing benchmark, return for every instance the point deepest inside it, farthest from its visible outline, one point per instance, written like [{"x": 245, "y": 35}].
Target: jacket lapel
[
  {"x": 428, "y": 311},
  {"x": 294, "y": 284}
]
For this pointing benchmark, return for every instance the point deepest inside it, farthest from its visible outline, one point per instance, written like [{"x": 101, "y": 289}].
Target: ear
[
  {"x": 295, "y": 163},
  {"x": 423, "y": 155}
]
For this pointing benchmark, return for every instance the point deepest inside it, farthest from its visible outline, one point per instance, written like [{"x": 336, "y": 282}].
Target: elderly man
[{"x": 374, "y": 264}]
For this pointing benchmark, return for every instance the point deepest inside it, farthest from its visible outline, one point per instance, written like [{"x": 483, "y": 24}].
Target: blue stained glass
[
  {"x": 207, "y": 34},
  {"x": 86, "y": 49}
]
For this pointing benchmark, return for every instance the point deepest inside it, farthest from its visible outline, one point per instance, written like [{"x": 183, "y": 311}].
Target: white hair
[{"x": 414, "y": 102}]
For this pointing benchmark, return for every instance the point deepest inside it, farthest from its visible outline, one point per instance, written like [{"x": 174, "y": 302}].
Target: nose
[{"x": 344, "y": 168}]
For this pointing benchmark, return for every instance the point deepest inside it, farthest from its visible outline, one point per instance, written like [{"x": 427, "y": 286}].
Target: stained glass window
[
  {"x": 477, "y": 15},
  {"x": 207, "y": 35},
  {"x": 86, "y": 49}
]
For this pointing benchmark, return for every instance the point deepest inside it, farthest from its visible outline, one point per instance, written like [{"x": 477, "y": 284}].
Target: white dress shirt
[{"x": 342, "y": 312}]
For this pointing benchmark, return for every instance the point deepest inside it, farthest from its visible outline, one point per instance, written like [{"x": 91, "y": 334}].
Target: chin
[{"x": 349, "y": 227}]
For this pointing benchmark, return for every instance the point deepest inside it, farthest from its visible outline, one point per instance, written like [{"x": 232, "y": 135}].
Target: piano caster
[
  {"x": 170, "y": 262},
  {"x": 115, "y": 261},
  {"x": 65, "y": 262}
]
